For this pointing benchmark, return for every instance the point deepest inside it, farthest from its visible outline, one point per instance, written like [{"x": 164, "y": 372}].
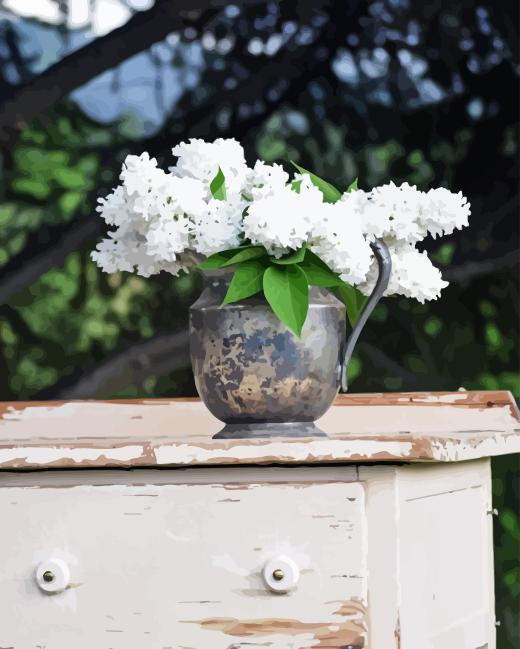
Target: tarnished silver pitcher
[{"x": 258, "y": 377}]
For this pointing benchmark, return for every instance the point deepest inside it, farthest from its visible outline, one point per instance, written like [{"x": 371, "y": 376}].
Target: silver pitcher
[{"x": 258, "y": 377}]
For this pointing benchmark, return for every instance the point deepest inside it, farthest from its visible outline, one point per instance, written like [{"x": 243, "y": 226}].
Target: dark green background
[{"x": 422, "y": 92}]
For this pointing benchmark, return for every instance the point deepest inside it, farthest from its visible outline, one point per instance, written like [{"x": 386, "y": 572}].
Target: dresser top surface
[{"x": 385, "y": 427}]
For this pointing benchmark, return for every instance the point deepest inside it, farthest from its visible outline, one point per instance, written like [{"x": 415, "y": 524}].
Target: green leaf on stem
[
  {"x": 294, "y": 258},
  {"x": 245, "y": 254},
  {"x": 353, "y": 187},
  {"x": 330, "y": 193},
  {"x": 353, "y": 300},
  {"x": 217, "y": 260},
  {"x": 318, "y": 273},
  {"x": 246, "y": 281},
  {"x": 287, "y": 291},
  {"x": 218, "y": 186},
  {"x": 232, "y": 256}
]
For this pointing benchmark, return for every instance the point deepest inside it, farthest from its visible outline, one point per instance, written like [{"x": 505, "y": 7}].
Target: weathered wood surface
[
  {"x": 404, "y": 427},
  {"x": 180, "y": 565},
  {"x": 430, "y": 556},
  {"x": 448, "y": 601},
  {"x": 391, "y": 557}
]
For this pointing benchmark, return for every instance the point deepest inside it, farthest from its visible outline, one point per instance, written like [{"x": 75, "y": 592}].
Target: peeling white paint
[
  {"x": 137, "y": 588},
  {"x": 423, "y": 448},
  {"x": 40, "y": 455},
  {"x": 454, "y": 449},
  {"x": 294, "y": 451},
  {"x": 411, "y": 427},
  {"x": 436, "y": 398}
]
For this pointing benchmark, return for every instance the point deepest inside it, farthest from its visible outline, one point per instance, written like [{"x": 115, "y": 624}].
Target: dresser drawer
[{"x": 178, "y": 562}]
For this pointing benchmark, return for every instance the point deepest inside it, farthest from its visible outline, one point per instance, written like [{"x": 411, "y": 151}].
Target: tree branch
[
  {"x": 157, "y": 356},
  {"x": 470, "y": 270},
  {"x": 275, "y": 82},
  {"x": 48, "y": 248},
  {"x": 139, "y": 33}
]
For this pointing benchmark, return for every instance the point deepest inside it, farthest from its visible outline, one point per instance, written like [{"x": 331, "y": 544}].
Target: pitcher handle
[{"x": 384, "y": 263}]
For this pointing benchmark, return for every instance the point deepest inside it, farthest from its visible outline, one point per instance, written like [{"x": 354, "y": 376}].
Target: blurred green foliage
[
  {"x": 74, "y": 317},
  {"x": 420, "y": 92}
]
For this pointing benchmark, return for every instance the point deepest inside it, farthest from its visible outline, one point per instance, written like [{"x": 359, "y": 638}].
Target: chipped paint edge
[{"x": 358, "y": 449}]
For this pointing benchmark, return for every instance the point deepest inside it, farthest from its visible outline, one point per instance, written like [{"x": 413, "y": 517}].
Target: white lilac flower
[
  {"x": 265, "y": 179},
  {"x": 393, "y": 211},
  {"x": 145, "y": 196},
  {"x": 112, "y": 256},
  {"x": 184, "y": 196},
  {"x": 406, "y": 214},
  {"x": 152, "y": 212},
  {"x": 114, "y": 207},
  {"x": 413, "y": 274},
  {"x": 167, "y": 195},
  {"x": 201, "y": 160},
  {"x": 167, "y": 237},
  {"x": 219, "y": 226},
  {"x": 126, "y": 250},
  {"x": 274, "y": 222},
  {"x": 444, "y": 212},
  {"x": 139, "y": 173},
  {"x": 167, "y": 221},
  {"x": 338, "y": 240},
  {"x": 283, "y": 220}
]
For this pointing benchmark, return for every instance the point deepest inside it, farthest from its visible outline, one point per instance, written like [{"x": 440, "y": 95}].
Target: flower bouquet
[{"x": 276, "y": 241}]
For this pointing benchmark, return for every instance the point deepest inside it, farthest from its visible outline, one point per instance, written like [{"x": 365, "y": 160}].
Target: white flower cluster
[
  {"x": 166, "y": 221},
  {"x": 169, "y": 220},
  {"x": 402, "y": 216}
]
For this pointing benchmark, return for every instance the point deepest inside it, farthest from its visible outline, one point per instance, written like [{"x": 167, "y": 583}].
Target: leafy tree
[{"x": 422, "y": 92}]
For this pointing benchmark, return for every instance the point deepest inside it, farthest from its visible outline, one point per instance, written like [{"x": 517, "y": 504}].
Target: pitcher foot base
[{"x": 258, "y": 430}]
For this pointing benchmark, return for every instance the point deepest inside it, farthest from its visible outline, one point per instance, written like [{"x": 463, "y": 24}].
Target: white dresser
[{"x": 123, "y": 525}]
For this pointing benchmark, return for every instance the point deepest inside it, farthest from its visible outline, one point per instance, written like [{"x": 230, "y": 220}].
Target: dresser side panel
[{"x": 446, "y": 557}]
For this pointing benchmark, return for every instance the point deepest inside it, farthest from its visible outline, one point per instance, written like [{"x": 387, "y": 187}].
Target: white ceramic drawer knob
[
  {"x": 53, "y": 575},
  {"x": 281, "y": 574}
]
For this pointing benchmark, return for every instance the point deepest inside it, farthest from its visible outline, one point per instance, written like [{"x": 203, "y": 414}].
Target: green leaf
[
  {"x": 217, "y": 259},
  {"x": 38, "y": 189},
  {"x": 88, "y": 165},
  {"x": 353, "y": 187},
  {"x": 317, "y": 276},
  {"x": 330, "y": 193},
  {"x": 232, "y": 256},
  {"x": 296, "y": 185},
  {"x": 70, "y": 201},
  {"x": 318, "y": 273},
  {"x": 287, "y": 291},
  {"x": 245, "y": 254},
  {"x": 353, "y": 300},
  {"x": 294, "y": 258},
  {"x": 247, "y": 281},
  {"x": 318, "y": 261},
  {"x": 69, "y": 178},
  {"x": 218, "y": 186}
]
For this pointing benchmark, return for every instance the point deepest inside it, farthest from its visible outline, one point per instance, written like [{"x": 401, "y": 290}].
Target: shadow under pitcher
[{"x": 258, "y": 377}]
